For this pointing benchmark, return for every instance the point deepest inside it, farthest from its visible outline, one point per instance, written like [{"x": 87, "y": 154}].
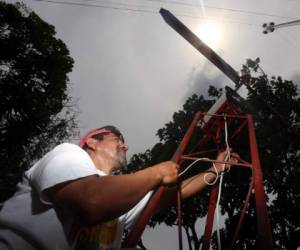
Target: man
[{"x": 70, "y": 200}]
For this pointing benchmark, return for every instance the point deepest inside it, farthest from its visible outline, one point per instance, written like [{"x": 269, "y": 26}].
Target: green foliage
[
  {"x": 35, "y": 109},
  {"x": 279, "y": 154}
]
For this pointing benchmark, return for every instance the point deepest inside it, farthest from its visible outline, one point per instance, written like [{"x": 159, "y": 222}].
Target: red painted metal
[
  {"x": 263, "y": 223},
  {"x": 179, "y": 216},
  {"x": 210, "y": 128},
  {"x": 238, "y": 228},
  {"x": 215, "y": 161},
  {"x": 187, "y": 137},
  {"x": 210, "y": 217},
  {"x": 238, "y": 130},
  {"x": 140, "y": 225}
]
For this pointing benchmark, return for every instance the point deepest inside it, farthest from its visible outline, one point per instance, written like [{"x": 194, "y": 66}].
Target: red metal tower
[{"x": 212, "y": 126}]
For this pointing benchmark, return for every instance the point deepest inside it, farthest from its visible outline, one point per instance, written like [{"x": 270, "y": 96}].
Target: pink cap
[{"x": 91, "y": 133}]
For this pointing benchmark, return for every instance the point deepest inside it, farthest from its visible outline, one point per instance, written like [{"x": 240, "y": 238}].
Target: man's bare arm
[
  {"x": 197, "y": 183},
  {"x": 97, "y": 199}
]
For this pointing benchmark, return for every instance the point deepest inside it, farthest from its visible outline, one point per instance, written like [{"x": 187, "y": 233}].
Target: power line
[
  {"x": 143, "y": 6},
  {"x": 293, "y": 1},
  {"x": 207, "y": 6},
  {"x": 119, "y": 3},
  {"x": 96, "y": 6},
  {"x": 221, "y": 8},
  {"x": 128, "y": 8}
]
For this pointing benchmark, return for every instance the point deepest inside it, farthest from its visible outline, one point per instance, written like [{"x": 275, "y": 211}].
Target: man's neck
[{"x": 102, "y": 163}]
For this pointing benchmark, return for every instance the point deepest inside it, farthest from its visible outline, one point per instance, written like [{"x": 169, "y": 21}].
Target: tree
[
  {"x": 279, "y": 153},
  {"x": 35, "y": 109}
]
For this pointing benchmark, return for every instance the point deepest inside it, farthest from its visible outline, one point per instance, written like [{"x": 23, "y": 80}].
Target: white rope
[
  {"x": 226, "y": 141},
  {"x": 227, "y": 157},
  {"x": 218, "y": 213},
  {"x": 189, "y": 166},
  {"x": 218, "y": 206},
  {"x": 215, "y": 180},
  {"x": 205, "y": 175}
]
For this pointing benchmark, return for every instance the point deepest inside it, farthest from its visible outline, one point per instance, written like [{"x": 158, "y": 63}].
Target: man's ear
[{"x": 91, "y": 143}]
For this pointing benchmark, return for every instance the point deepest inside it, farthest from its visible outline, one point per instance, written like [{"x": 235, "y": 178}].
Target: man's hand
[
  {"x": 223, "y": 156},
  {"x": 167, "y": 172}
]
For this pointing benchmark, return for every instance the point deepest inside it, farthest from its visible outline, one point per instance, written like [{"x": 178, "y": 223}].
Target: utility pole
[{"x": 270, "y": 27}]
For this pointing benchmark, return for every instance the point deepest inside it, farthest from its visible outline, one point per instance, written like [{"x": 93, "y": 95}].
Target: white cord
[
  {"x": 226, "y": 142},
  {"x": 215, "y": 180},
  {"x": 189, "y": 166},
  {"x": 218, "y": 213},
  {"x": 227, "y": 157},
  {"x": 205, "y": 176},
  {"x": 218, "y": 206}
]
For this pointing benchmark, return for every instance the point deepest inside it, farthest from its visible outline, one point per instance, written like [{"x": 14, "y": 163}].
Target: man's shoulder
[
  {"x": 67, "y": 146},
  {"x": 62, "y": 154},
  {"x": 65, "y": 149}
]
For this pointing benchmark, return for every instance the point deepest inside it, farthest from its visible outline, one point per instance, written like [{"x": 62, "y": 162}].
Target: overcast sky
[{"x": 133, "y": 71}]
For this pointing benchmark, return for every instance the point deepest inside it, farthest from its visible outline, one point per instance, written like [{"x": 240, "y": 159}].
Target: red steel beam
[
  {"x": 179, "y": 216},
  {"x": 210, "y": 217},
  {"x": 139, "y": 227},
  {"x": 263, "y": 223},
  {"x": 183, "y": 144},
  {"x": 216, "y": 161},
  {"x": 238, "y": 228},
  {"x": 235, "y": 133}
]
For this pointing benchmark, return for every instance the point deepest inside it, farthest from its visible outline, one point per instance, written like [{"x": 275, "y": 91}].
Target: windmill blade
[{"x": 200, "y": 46}]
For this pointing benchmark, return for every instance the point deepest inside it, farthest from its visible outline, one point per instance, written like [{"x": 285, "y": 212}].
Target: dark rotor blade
[{"x": 200, "y": 46}]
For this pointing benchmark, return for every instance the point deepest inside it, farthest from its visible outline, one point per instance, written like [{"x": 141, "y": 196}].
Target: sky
[{"x": 133, "y": 71}]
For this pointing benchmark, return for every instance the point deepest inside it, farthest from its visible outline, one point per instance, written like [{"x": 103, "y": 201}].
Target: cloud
[
  {"x": 204, "y": 75},
  {"x": 296, "y": 79}
]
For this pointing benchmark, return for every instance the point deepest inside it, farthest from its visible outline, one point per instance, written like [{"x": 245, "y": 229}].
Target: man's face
[{"x": 115, "y": 149}]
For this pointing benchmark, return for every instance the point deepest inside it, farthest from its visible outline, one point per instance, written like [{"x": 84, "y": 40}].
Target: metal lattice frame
[{"x": 212, "y": 125}]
